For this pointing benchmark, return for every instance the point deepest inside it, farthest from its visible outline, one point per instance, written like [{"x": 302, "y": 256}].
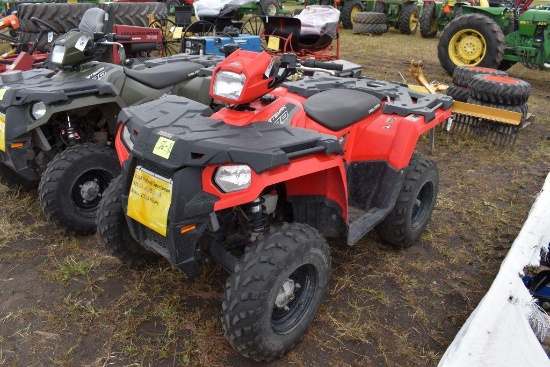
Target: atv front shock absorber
[{"x": 256, "y": 215}]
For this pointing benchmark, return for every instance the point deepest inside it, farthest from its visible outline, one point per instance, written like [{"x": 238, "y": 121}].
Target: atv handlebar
[
  {"x": 312, "y": 63},
  {"x": 116, "y": 37}
]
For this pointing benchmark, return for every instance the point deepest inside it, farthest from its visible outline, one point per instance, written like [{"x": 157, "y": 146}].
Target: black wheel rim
[
  {"x": 422, "y": 204},
  {"x": 255, "y": 27},
  {"x": 288, "y": 311},
  {"x": 88, "y": 189}
]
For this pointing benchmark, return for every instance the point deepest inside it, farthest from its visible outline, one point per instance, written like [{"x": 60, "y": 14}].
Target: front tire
[
  {"x": 275, "y": 291},
  {"x": 471, "y": 40},
  {"x": 72, "y": 185},
  {"x": 414, "y": 205},
  {"x": 113, "y": 230}
]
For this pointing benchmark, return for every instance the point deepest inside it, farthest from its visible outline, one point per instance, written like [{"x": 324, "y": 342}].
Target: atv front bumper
[{"x": 14, "y": 152}]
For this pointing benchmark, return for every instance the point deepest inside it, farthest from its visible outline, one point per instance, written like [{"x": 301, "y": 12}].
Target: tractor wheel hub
[
  {"x": 286, "y": 293},
  {"x": 89, "y": 190}
]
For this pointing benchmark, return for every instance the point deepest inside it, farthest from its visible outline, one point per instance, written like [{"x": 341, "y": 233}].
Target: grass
[{"x": 64, "y": 301}]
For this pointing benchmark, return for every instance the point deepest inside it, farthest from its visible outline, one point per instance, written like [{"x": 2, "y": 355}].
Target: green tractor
[
  {"x": 437, "y": 14},
  {"x": 402, "y": 14},
  {"x": 496, "y": 37}
]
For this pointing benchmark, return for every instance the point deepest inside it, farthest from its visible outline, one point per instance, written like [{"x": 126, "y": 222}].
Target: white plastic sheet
[
  {"x": 214, "y": 8},
  {"x": 317, "y": 19},
  {"x": 498, "y": 333}
]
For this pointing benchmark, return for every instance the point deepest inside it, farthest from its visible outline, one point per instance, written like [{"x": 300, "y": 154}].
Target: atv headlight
[
  {"x": 233, "y": 178},
  {"x": 127, "y": 138},
  {"x": 57, "y": 54},
  {"x": 229, "y": 85},
  {"x": 38, "y": 110}
]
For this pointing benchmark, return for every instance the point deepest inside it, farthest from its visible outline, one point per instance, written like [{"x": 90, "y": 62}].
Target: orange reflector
[
  {"x": 16, "y": 145},
  {"x": 187, "y": 228},
  {"x": 447, "y": 9}
]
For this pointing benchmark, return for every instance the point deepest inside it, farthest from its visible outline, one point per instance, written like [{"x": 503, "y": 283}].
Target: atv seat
[
  {"x": 164, "y": 75},
  {"x": 352, "y": 106},
  {"x": 92, "y": 21}
]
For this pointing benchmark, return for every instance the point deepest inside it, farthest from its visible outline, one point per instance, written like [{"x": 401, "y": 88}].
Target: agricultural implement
[{"x": 497, "y": 37}]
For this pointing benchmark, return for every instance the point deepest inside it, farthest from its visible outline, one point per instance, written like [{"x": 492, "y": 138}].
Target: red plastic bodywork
[{"x": 23, "y": 61}]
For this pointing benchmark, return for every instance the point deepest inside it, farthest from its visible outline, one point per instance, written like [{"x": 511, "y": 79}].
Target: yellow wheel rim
[
  {"x": 413, "y": 22},
  {"x": 467, "y": 47},
  {"x": 355, "y": 9}
]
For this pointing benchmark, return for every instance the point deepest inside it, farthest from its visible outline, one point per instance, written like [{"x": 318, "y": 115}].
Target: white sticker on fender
[{"x": 81, "y": 43}]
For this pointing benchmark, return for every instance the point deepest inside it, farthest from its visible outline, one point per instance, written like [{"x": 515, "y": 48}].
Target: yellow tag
[
  {"x": 177, "y": 33},
  {"x": 72, "y": 1},
  {"x": 149, "y": 200},
  {"x": 2, "y": 92},
  {"x": 163, "y": 147},
  {"x": 2, "y": 132},
  {"x": 273, "y": 43}
]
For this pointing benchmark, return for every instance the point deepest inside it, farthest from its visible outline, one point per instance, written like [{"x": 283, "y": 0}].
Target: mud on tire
[
  {"x": 499, "y": 89},
  {"x": 113, "y": 230},
  {"x": 414, "y": 205},
  {"x": 72, "y": 185},
  {"x": 275, "y": 291}
]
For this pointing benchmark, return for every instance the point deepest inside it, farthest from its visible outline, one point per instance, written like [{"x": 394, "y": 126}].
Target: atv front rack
[{"x": 400, "y": 100}]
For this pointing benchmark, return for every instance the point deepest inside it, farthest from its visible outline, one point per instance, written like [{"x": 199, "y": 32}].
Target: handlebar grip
[
  {"x": 328, "y": 65},
  {"x": 122, "y": 38}
]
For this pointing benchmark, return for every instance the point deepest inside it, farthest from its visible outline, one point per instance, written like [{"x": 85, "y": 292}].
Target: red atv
[{"x": 260, "y": 184}]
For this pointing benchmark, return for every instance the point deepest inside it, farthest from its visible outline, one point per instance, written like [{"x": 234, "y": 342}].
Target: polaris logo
[
  {"x": 284, "y": 115},
  {"x": 98, "y": 74}
]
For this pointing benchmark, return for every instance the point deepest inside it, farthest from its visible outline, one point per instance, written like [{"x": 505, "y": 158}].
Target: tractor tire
[
  {"x": 264, "y": 312},
  {"x": 72, "y": 185},
  {"x": 414, "y": 205},
  {"x": 361, "y": 28},
  {"x": 350, "y": 8},
  {"x": 463, "y": 74},
  {"x": 471, "y": 40},
  {"x": 63, "y": 17},
  {"x": 367, "y": 17},
  {"x": 505, "y": 65},
  {"x": 380, "y": 7},
  {"x": 428, "y": 21},
  {"x": 408, "y": 19},
  {"x": 499, "y": 89},
  {"x": 14, "y": 180},
  {"x": 522, "y": 108},
  {"x": 135, "y": 14},
  {"x": 458, "y": 93},
  {"x": 269, "y": 7},
  {"x": 113, "y": 231}
]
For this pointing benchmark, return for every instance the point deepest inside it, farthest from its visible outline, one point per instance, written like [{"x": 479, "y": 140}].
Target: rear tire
[
  {"x": 499, "y": 89},
  {"x": 471, "y": 40},
  {"x": 408, "y": 19},
  {"x": 365, "y": 17},
  {"x": 63, "y": 17},
  {"x": 72, "y": 185},
  {"x": 414, "y": 205},
  {"x": 264, "y": 312},
  {"x": 428, "y": 21},
  {"x": 113, "y": 230},
  {"x": 350, "y": 8}
]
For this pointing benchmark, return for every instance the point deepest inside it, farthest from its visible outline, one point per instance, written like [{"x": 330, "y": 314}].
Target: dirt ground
[{"x": 65, "y": 302}]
